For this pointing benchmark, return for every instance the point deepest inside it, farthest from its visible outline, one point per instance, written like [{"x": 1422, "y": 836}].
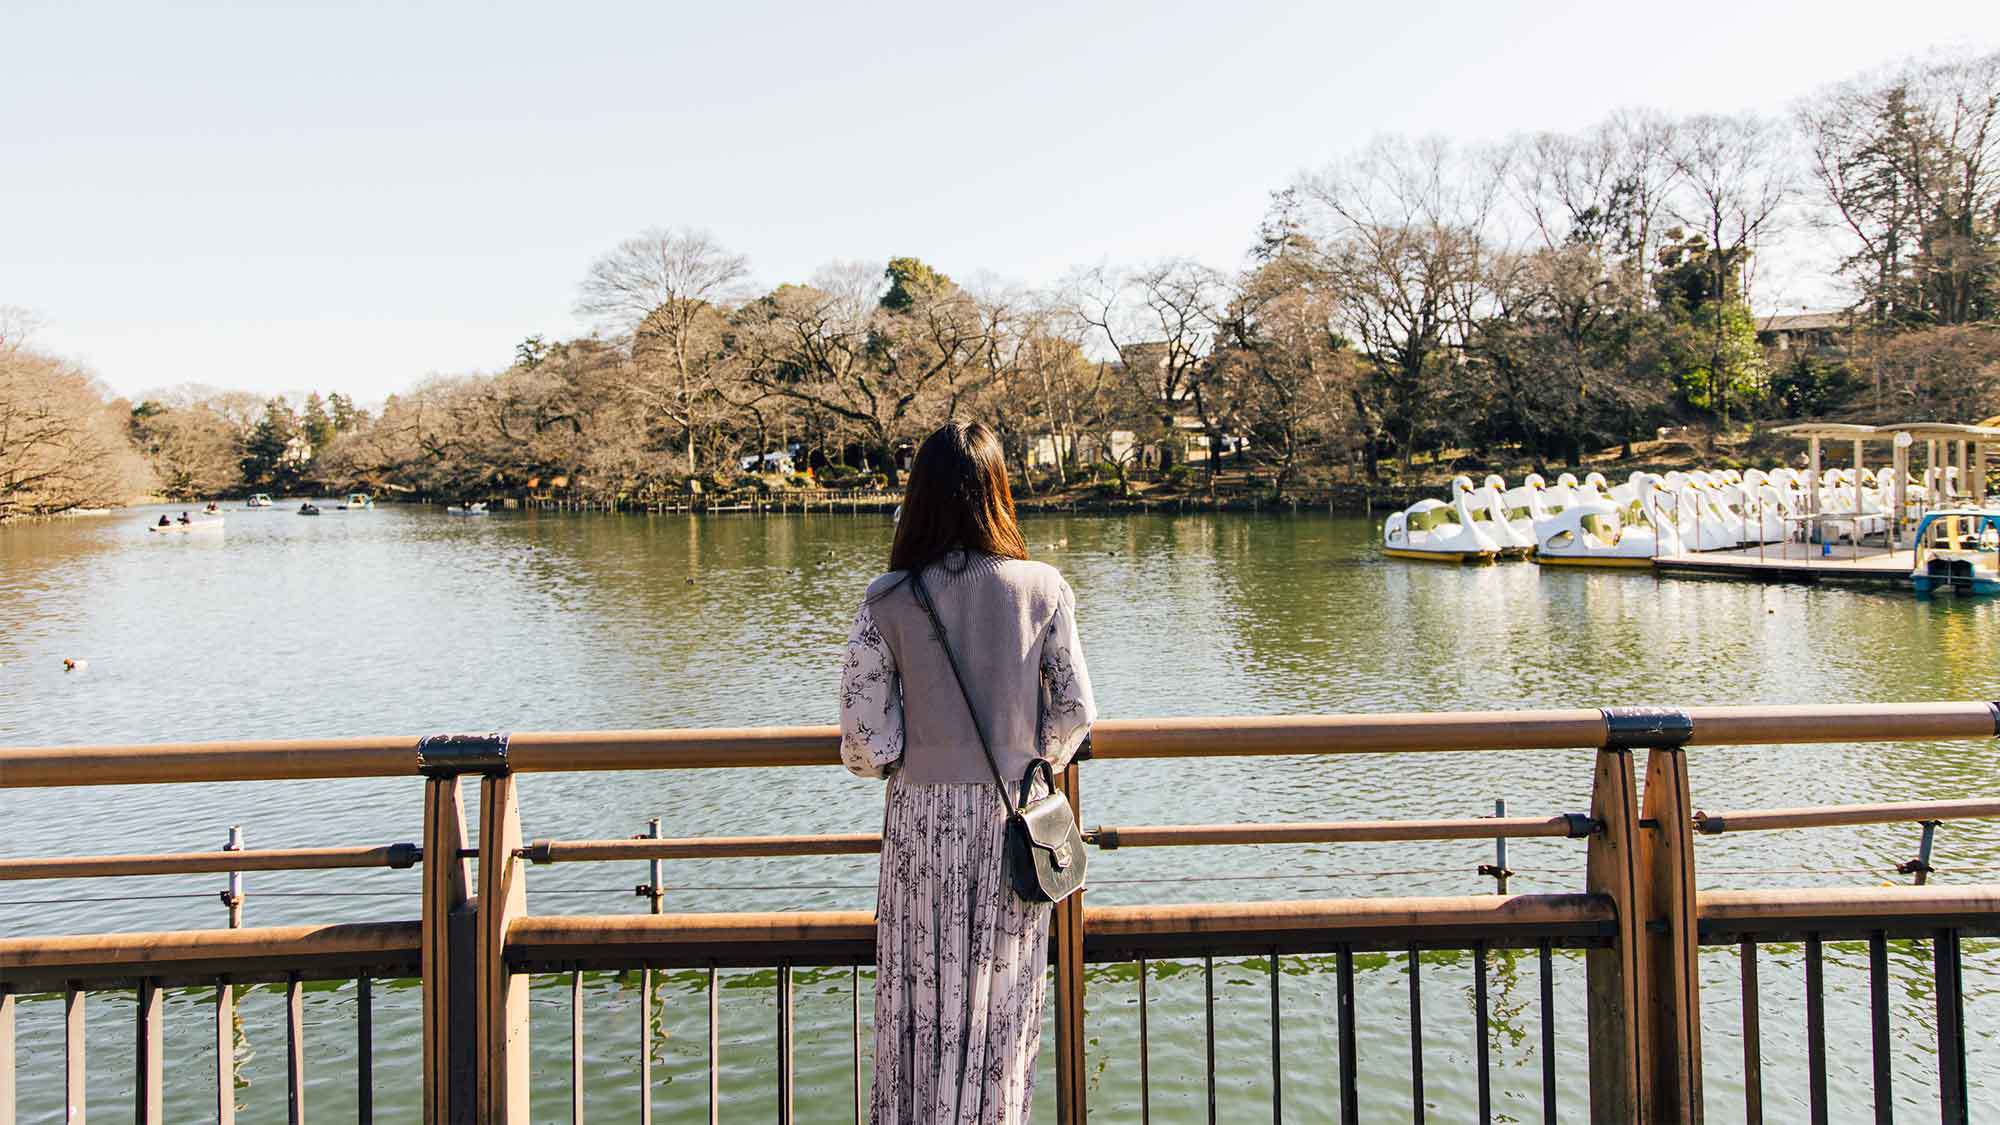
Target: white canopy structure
[{"x": 1955, "y": 458}]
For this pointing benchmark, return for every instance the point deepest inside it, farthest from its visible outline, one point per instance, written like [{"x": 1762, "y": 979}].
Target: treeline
[
  {"x": 1557, "y": 293},
  {"x": 63, "y": 439}
]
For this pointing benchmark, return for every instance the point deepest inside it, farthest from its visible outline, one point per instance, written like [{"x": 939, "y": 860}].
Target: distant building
[
  {"x": 1809, "y": 330},
  {"x": 298, "y": 453}
]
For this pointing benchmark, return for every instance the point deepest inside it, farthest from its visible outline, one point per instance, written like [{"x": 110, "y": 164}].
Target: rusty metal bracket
[
  {"x": 454, "y": 755},
  {"x": 1921, "y": 866},
  {"x": 1646, "y": 728}
]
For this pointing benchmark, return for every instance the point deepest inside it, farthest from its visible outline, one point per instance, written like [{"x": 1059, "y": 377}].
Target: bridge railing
[{"x": 1639, "y": 919}]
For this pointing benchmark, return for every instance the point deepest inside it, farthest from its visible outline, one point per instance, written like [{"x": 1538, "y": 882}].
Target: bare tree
[
  {"x": 1908, "y": 165},
  {"x": 1736, "y": 185},
  {"x": 1402, "y": 226},
  {"x": 669, "y": 291},
  {"x": 62, "y": 441},
  {"x": 1161, "y": 321},
  {"x": 888, "y": 375},
  {"x": 1607, "y": 188}
]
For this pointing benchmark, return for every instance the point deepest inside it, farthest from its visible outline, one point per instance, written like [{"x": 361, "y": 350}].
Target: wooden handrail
[
  {"x": 574, "y": 751},
  {"x": 701, "y": 847},
  {"x": 1338, "y": 832},
  {"x": 1825, "y": 904},
  {"x": 188, "y": 863},
  {"x": 1823, "y": 816},
  {"x": 146, "y": 952}
]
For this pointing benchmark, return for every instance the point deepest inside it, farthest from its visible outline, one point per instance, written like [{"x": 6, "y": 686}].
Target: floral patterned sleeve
[
  {"x": 1069, "y": 708},
  {"x": 871, "y": 702}
]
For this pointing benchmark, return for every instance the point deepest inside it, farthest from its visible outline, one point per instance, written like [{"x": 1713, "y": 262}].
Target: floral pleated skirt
[{"x": 960, "y": 964}]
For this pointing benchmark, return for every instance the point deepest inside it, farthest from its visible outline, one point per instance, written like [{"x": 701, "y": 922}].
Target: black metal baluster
[
  {"x": 295, "y": 1049},
  {"x": 1145, "y": 1075},
  {"x": 855, "y": 996},
  {"x": 1956, "y": 1110},
  {"x": 784, "y": 1044},
  {"x": 1350, "y": 1095},
  {"x": 1479, "y": 1004},
  {"x": 576, "y": 1048},
  {"x": 1753, "y": 1041},
  {"x": 1548, "y": 1034},
  {"x": 364, "y": 1045},
  {"x": 1816, "y": 1028},
  {"x": 1277, "y": 1051},
  {"x": 1878, "y": 1005},
  {"x": 1416, "y": 1040},
  {"x": 1208, "y": 988},
  {"x": 714, "y": 1051}
]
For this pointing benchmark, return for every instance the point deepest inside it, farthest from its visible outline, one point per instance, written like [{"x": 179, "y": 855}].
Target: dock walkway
[{"x": 1795, "y": 562}]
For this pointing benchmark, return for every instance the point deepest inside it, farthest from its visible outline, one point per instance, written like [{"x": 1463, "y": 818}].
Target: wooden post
[
  {"x": 148, "y": 1054},
  {"x": 225, "y": 1052},
  {"x": 74, "y": 1000},
  {"x": 1072, "y": 1095},
  {"x": 446, "y": 884},
  {"x": 1645, "y": 1064},
  {"x": 1670, "y": 985},
  {"x": 1812, "y": 477},
  {"x": 503, "y": 1009},
  {"x": 1611, "y": 869},
  {"x": 1901, "y": 462}
]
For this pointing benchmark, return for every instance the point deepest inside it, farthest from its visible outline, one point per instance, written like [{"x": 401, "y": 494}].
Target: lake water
[{"x": 402, "y": 620}]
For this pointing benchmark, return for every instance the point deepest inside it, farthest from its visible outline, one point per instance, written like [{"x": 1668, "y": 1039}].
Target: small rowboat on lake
[
  {"x": 468, "y": 510},
  {"x": 183, "y": 528}
]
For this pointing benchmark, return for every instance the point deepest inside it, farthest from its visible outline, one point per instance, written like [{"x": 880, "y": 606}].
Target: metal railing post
[{"x": 1071, "y": 1080}]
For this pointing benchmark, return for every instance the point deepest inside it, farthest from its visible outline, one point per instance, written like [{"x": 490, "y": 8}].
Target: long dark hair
[{"x": 957, "y": 499}]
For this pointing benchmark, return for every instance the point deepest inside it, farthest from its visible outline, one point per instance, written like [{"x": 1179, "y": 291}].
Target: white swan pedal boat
[
  {"x": 1434, "y": 531},
  {"x": 1596, "y": 533}
]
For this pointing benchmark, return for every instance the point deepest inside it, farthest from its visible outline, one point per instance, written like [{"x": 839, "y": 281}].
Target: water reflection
[{"x": 402, "y": 620}]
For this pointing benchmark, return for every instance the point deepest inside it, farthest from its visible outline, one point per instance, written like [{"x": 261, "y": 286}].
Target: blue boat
[{"x": 1958, "y": 552}]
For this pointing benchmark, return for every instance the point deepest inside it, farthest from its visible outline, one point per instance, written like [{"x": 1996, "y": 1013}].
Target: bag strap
[{"x": 924, "y": 599}]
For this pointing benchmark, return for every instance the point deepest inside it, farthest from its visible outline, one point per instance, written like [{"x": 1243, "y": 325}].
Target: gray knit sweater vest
[{"x": 997, "y": 613}]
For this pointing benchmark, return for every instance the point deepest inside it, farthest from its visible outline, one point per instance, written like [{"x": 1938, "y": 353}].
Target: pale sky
[{"x": 279, "y": 196}]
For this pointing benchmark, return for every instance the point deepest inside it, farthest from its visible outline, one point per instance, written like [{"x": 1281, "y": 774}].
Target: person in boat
[
  {"x": 164, "y": 521},
  {"x": 185, "y": 518}
]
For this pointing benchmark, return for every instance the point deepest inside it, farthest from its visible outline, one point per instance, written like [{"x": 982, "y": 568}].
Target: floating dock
[{"x": 1795, "y": 562}]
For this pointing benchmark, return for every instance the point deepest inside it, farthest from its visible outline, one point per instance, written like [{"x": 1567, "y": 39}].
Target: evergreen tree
[
  {"x": 345, "y": 416},
  {"x": 315, "y": 424},
  {"x": 909, "y": 280},
  {"x": 268, "y": 456}
]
